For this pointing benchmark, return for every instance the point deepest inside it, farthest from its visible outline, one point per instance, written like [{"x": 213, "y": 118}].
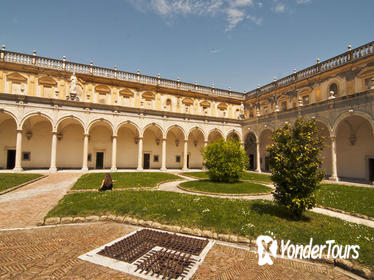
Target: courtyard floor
[{"x": 51, "y": 252}]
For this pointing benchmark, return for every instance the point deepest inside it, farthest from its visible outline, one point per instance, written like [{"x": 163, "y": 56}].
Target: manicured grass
[
  {"x": 124, "y": 180},
  {"x": 250, "y": 176},
  {"x": 241, "y": 187},
  {"x": 348, "y": 198},
  {"x": 242, "y": 217},
  {"x": 10, "y": 180}
]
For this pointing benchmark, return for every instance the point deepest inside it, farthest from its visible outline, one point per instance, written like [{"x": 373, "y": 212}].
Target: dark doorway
[
  {"x": 371, "y": 169},
  {"x": 267, "y": 165},
  {"x": 188, "y": 161},
  {"x": 251, "y": 165},
  {"x": 147, "y": 161},
  {"x": 99, "y": 160},
  {"x": 11, "y": 159}
]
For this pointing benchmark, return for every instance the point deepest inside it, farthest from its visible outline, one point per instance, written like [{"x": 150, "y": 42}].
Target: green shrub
[
  {"x": 295, "y": 165},
  {"x": 225, "y": 160}
]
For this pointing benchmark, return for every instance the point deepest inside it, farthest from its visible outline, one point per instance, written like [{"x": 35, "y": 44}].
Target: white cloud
[
  {"x": 279, "y": 8},
  {"x": 214, "y": 51},
  {"x": 234, "y": 11},
  {"x": 260, "y": 4},
  {"x": 300, "y": 2}
]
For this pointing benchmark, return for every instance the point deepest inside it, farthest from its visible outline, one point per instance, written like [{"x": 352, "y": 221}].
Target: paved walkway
[
  {"x": 28, "y": 205},
  {"x": 52, "y": 253}
]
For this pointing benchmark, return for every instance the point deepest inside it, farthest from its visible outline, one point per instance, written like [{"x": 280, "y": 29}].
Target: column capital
[
  {"x": 332, "y": 137},
  {"x": 19, "y": 130},
  {"x": 86, "y": 134}
]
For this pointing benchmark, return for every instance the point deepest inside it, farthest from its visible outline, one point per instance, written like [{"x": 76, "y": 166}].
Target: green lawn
[
  {"x": 241, "y": 187},
  {"x": 10, "y": 180},
  {"x": 250, "y": 176},
  {"x": 242, "y": 217},
  {"x": 348, "y": 198},
  {"x": 124, "y": 180}
]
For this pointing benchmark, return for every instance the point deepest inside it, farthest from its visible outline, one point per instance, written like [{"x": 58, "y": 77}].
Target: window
[
  {"x": 178, "y": 158},
  {"x": 89, "y": 157},
  {"x": 265, "y": 109},
  {"x": 284, "y": 105},
  {"x": 305, "y": 99},
  {"x": 26, "y": 156},
  {"x": 155, "y": 158},
  {"x": 333, "y": 87}
]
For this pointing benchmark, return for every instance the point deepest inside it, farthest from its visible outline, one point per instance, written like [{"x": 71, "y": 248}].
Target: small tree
[
  {"x": 225, "y": 160},
  {"x": 295, "y": 165}
]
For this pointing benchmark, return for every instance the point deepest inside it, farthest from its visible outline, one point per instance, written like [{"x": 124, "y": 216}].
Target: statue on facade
[{"x": 73, "y": 89}]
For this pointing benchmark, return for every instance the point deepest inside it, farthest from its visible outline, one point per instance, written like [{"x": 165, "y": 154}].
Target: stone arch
[
  {"x": 153, "y": 124},
  {"x": 37, "y": 140},
  {"x": 128, "y": 134},
  {"x": 233, "y": 133},
  {"x": 197, "y": 128},
  {"x": 215, "y": 131},
  {"x": 69, "y": 150},
  {"x": 185, "y": 136},
  {"x": 354, "y": 146},
  {"x": 175, "y": 139},
  {"x": 250, "y": 147},
  {"x": 127, "y": 122},
  {"x": 265, "y": 140},
  {"x": 107, "y": 122},
  {"x": 8, "y": 136},
  {"x": 323, "y": 121},
  {"x": 32, "y": 114},
  {"x": 339, "y": 84},
  {"x": 346, "y": 114},
  {"x": 65, "y": 117},
  {"x": 196, "y": 142}
]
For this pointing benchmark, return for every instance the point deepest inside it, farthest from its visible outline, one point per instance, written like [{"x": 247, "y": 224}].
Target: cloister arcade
[{"x": 37, "y": 142}]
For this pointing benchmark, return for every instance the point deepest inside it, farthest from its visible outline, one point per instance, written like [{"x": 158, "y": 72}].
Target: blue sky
[{"x": 237, "y": 43}]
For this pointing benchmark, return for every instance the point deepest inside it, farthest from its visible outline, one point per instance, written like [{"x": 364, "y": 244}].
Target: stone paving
[
  {"x": 28, "y": 205},
  {"x": 52, "y": 253}
]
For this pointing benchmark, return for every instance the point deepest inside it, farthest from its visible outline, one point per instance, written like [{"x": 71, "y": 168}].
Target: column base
[
  {"x": 139, "y": 169},
  {"x": 18, "y": 169},
  {"x": 163, "y": 169},
  {"x": 185, "y": 169},
  {"x": 334, "y": 178},
  {"x": 52, "y": 170},
  {"x": 113, "y": 169},
  {"x": 84, "y": 169},
  {"x": 258, "y": 170}
]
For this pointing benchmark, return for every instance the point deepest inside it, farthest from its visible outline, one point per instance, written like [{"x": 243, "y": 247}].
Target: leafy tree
[
  {"x": 225, "y": 160},
  {"x": 295, "y": 165}
]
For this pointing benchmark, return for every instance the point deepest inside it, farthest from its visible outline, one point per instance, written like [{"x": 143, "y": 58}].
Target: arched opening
[
  {"x": 355, "y": 149},
  {"x": 195, "y": 146},
  {"x": 250, "y": 148},
  {"x": 100, "y": 145},
  {"x": 233, "y": 135},
  {"x": 36, "y": 142},
  {"x": 69, "y": 153},
  {"x": 214, "y": 135},
  {"x": 127, "y": 146},
  {"x": 8, "y": 136},
  {"x": 152, "y": 147},
  {"x": 323, "y": 131},
  {"x": 333, "y": 88},
  {"x": 174, "y": 148},
  {"x": 265, "y": 140}
]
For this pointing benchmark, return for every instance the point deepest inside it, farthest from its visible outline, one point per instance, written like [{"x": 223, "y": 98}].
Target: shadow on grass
[{"x": 277, "y": 211}]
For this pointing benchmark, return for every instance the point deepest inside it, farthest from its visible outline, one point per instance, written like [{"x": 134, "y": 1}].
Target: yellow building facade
[{"x": 58, "y": 114}]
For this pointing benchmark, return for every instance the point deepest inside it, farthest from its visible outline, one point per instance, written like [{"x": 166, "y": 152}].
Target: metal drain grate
[
  {"x": 165, "y": 263},
  {"x": 134, "y": 246}
]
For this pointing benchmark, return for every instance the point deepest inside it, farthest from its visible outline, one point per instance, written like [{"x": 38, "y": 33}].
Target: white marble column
[
  {"x": 53, "y": 167},
  {"x": 140, "y": 154},
  {"x": 163, "y": 160},
  {"x": 334, "y": 168},
  {"x": 18, "y": 164},
  {"x": 258, "y": 157},
  {"x": 185, "y": 153},
  {"x": 114, "y": 154},
  {"x": 85, "y": 153}
]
